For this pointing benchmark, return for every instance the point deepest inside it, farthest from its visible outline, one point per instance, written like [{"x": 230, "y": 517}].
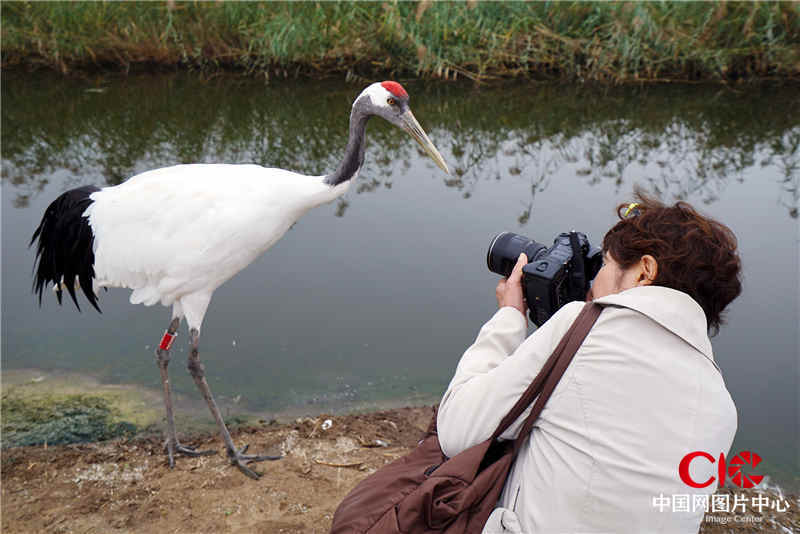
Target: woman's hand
[{"x": 509, "y": 290}]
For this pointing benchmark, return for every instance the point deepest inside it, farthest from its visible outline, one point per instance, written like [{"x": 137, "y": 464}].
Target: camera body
[{"x": 553, "y": 276}]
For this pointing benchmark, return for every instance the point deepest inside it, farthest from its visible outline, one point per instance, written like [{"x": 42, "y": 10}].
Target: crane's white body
[{"x": 174, "y": 235}]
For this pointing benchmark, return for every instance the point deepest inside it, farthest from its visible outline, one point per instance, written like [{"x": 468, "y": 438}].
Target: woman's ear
[{"x": 649, "y": 270}]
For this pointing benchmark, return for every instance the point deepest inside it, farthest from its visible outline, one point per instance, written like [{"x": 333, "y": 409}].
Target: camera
[{"x": 553, "y": 276}]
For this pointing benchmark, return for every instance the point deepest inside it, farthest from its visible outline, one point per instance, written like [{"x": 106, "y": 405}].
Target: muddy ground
[{"x": 125, "y": 485}]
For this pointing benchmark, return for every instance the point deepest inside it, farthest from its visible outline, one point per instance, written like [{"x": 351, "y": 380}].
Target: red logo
[{"x": 731, "y": 470}]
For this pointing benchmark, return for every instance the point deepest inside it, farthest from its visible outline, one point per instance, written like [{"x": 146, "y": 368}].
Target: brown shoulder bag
[{"x": 427, "y": 492}]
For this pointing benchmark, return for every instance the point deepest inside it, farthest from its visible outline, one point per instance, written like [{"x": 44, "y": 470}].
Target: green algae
[
  {"x": 60, "y": 420},
  {"x": 46, "y": 407}
]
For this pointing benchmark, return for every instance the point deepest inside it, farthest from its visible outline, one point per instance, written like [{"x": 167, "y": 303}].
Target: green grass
[{"x": 613, "y": 42}]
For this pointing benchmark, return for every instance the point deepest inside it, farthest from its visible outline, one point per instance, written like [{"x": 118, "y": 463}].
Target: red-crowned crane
[{"x": 174, "y": 235}]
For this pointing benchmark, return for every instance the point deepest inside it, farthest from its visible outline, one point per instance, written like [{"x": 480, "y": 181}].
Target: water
[{"x": 372, "y": 299}]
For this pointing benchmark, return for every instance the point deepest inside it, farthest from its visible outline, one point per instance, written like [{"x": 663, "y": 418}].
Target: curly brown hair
[{"x": 695, "y": 254}]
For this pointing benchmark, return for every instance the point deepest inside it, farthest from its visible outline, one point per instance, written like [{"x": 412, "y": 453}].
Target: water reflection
[{"x": 680, "y": 142}]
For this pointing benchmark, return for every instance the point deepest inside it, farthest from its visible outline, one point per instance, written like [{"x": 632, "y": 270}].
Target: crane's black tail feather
[{"x": 65, "y": 250}]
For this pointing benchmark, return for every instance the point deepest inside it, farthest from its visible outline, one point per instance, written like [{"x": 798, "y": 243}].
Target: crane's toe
[
  {"x": 175, "y": 447},
  {"x": 240, "y": 460}
]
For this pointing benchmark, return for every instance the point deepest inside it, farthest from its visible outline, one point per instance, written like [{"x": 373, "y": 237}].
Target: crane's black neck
[{"x": 354, "y": 153}]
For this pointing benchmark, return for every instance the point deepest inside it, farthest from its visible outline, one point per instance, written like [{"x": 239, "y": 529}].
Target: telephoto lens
[{"x": 505, "y": 250}]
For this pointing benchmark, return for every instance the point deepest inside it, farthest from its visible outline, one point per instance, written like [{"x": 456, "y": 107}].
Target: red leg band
[{"x": 166, "y": 341}]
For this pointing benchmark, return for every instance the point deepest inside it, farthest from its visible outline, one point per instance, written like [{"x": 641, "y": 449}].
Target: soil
[{"x": 126, "y": 486}]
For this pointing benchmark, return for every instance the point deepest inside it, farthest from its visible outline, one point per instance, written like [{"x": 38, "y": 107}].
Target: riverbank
[
  {"x": 51, "y": 407},
  {"x": 125, "y": 486},
  {"x": 606, "y": 42}
]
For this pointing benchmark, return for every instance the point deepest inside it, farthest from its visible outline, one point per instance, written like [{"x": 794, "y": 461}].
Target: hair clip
[{"x": 633, "y": 208}]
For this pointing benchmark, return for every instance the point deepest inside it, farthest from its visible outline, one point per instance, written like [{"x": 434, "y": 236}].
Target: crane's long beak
[{"x": 411, "y": 125}]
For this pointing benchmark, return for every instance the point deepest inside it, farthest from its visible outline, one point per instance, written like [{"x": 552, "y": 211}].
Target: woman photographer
[{"x": 641, "y": 393}]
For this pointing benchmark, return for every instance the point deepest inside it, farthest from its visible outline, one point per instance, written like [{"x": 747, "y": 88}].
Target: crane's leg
[
  {"x": 237, "y": 457},
  {"x": 162, "y": 358}
]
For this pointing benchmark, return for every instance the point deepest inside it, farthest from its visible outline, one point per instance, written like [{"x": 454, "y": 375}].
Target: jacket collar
[{"x": 674, "y": 310}]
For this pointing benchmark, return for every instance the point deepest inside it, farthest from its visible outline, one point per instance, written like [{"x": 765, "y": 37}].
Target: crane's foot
[
  {"x": 176, "y": 447},
  {"x": 240, "y": 460}
]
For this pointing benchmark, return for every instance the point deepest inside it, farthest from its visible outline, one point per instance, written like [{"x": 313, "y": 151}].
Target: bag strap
[{"x": 547, "y": 379}]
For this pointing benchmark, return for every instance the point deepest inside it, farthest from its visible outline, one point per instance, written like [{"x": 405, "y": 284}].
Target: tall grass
[{"x": 614, "y": 42}]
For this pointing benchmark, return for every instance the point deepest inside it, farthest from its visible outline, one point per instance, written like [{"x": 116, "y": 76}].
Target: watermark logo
[
  {"x": 743, "y": 507},
  {"x": 736, "y": 503},
  {"x": 726, "y": 470}
]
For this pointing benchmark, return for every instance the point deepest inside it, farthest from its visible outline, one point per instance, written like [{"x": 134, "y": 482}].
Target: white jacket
[{"x": 642, "y": 392}]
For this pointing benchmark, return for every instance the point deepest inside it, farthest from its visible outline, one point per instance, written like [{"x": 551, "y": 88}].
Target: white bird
[{"x": 174, "y": 235}]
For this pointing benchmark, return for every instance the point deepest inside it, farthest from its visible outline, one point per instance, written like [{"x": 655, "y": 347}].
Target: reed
[{"x": 612, "y": 42}]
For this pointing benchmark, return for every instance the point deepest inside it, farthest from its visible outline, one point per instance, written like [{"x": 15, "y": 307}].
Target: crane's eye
[{"x": 391, "y": 101}]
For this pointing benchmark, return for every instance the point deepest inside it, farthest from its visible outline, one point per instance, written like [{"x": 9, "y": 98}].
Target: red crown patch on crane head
[{"x": 395, "y": 88}]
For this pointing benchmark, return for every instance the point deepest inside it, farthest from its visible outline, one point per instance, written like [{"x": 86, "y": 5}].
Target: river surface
[{"x": 373, "y": 298}]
